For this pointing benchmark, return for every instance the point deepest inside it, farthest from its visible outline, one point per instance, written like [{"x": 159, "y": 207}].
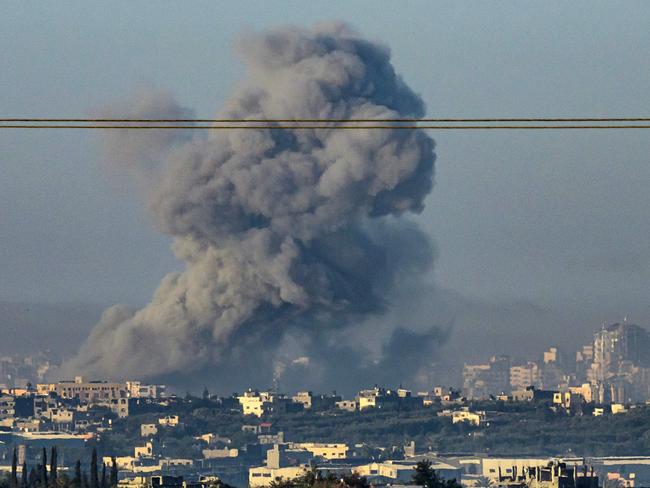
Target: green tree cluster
[{"x": 427, "y": 477}]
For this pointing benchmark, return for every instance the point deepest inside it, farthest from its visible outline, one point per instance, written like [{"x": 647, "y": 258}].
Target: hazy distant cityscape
[{"x": 504, "y": 422}]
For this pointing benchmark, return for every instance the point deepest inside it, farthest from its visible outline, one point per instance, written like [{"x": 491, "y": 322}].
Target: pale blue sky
[{"x": 557, "y": 219}]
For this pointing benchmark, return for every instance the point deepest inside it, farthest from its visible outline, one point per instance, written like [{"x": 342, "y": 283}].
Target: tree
[
  {"x": 23, "y": 478},
  {"x": 43, "y": 467},
  {"x": 426, "y": 476},
  {"x": 355, "y": 481},
  {"x": 114, "y": 473},
  {"x": 14, "y": 469},
  {"x": 53, "y": 465},
  {"x": 76, "y": 481},
  {"x": 33, "y": 476},
  {"x": 94, "y": 474}
]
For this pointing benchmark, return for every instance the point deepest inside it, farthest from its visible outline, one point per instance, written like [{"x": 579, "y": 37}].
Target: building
[
  {"x": 89, "y": 391},
  {"x": 616, "y": 344},
  {"x": 551, "y": 356},
  {"x": 492, "y": 468},
  {"x": 620, "y": 371},
  {"x": 123, "y": 463},
  {"x": 326, "y": 451},
  {"x": 468, "y": 417},
  {"x": 568, "y": 400},
  {"x": 61, "y": 416},
  {"x": 7, "y": 407},
  {"x": 532, "y": 394},
  {"x": 485, "y": 380},
  {"x": 548, "y": 474},
  {"x": 315, "y": 402},
  {"x": 220, "y": 453},
  {"x": 525, "y": 375},
  {"x": 143, "y": 451},
  {"x": 120, "y": 406},
  {"x": 167, "y": 463},
  {"x": 584, "y": 358},
  {"x": 266, "y": 439},
  {"x": 254, "y": 403},
  {"x": 347, "y": 405},
  {"x": 379, "y": 397},
  {"x": 264, "y": 476},
  {"x": 288, "y": 463},
  {"x": 585, "y": 390},
  {"x": 169, "y": 421},
  {"x": 401, "y": 472},
  {"x": 136, "y": 389},
  {"x": 148, "y": 430},
  {"x": 464, "y": 415}
]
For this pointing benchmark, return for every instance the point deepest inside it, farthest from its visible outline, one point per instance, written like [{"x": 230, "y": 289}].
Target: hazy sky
[{"x": 556, "y": 219}]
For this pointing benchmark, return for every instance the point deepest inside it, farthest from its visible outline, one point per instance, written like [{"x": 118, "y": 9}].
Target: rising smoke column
[{"x": 279, "y": 229}]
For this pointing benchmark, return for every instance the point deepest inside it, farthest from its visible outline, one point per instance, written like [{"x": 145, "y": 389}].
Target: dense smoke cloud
[{"x": 288, "y": 236}]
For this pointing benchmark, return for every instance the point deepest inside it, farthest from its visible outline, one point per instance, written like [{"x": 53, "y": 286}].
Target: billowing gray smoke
[{"x": 288, "y": 235}]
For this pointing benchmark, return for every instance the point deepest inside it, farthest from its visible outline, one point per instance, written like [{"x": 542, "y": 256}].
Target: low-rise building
[
  {"x": 220, "y": 453},
  {"x": 176, "y": 462},
  {"x": 254, "y": 403},
  {"x": 464, "y": 415},
  {"x": 264, "y": 476},
  {"x": 170, "y": 421},
  {"x": 120, "y": 406},
  {"x": 136, "y": 389},
  {"x": 90, "y": 391},
  {"x": 143, "y": 451},
  {"x": 347, "y": 405},
  {"x": 533, "y": 394},
  {"x": 148, "y": 430},
  {"x": 123, "y": 463},
  {"x": 309, "y": 401},
  {"x": 327, "y": 451},
  {"x": 7, "y": 407},
  {"x": 61, "y": 416},
  {"x": 266, "y": 439},
  {"x": 401, "y": 472}
]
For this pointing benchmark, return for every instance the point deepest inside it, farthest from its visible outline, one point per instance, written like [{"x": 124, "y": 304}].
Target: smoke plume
[{"x": 289, "y": 237}]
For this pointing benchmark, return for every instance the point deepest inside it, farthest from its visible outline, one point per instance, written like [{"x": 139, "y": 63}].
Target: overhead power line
[
  {"x": 337, "y": 127},
  {"x": 447, "y": 123},
  {"x": 317, "y": 120}
]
